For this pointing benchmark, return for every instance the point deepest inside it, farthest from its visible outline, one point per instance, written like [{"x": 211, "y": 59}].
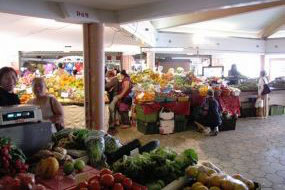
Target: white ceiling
[
  {"x": 247, "y": 25},
  {"x": 109, "y": 4},
  {"x": 29, "y": 33}
]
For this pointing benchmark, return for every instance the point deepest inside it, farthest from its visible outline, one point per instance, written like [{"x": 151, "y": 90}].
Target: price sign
[{"x": 64, "y": 95}]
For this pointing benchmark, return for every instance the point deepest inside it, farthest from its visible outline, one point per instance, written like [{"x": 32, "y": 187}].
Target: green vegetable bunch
[{"x": 160, "y": 164}]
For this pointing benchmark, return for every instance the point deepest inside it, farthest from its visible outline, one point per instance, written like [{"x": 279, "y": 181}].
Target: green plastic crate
[
  {"x": 180, "y": 118},
  {"x": 180, "y": 123},
  {"x": 148, "y": 128},
  {"x": 149, "y": 118},
  {"x": 277, "y": 110}
]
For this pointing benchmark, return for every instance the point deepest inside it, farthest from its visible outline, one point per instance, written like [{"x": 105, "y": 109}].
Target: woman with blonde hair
[{"x": 51, "y": 108}]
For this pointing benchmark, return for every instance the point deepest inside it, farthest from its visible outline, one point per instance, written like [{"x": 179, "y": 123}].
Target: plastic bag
[
  {"x": 259, "y": 103},
  {"x": 112, "y": 144},
  {"x": 95, "y": 150}
]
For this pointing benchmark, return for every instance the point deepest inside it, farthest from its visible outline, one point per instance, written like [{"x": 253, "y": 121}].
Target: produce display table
[
  {"x": 62, "y": 182},
  {"x": 228, "y": 103},
  {"x": 179, "y": 108}
]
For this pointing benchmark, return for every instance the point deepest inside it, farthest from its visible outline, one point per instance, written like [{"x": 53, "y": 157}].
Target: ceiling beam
[
  {"x": 175, "y": 21},
  {"x": 167, "y": 8},
  {"x": 273, "y": 27}
]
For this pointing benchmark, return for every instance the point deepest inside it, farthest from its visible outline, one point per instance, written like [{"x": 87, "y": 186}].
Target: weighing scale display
[{"x": 18, "y": 115}]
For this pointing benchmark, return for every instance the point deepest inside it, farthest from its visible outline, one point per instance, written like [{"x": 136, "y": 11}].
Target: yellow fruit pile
[
  {"x": 209, "y": 177},
  {"x": 145, "y": 96},
  {"x": 203, "y": 90}
]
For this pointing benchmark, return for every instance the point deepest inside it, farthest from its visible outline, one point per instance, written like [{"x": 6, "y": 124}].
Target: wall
[{"x": 273, "y": 46}]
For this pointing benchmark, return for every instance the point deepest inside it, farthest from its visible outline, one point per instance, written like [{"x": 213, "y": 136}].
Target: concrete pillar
[
  {"x": 150, "y": 60},
  {"x": 94, "y": 74}
]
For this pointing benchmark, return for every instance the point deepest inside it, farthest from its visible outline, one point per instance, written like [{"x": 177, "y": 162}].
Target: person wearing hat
[{"x": 211, "y": 116}]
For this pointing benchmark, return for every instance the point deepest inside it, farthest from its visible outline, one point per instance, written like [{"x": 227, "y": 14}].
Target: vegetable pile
[
  {"x": 162, "y": 164},
  {"x": 12, "y": 159},
  {"x": 106, "y": 179},
  {"x": 97, "y": 143},
  {"x": 207, "y": 176}
]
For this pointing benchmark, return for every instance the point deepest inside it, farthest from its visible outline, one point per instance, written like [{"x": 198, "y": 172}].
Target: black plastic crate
[
  {"x": 148, "y": 128},
  {"x": 248, "y": 112},
  {"x": 228, "y": 124}
]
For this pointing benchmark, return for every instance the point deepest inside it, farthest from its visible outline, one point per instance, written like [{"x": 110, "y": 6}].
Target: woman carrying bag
[{"x": 263, "y": 93}]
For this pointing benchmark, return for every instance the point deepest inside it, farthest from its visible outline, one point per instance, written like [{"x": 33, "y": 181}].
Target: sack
[
  {"x": 166, "y": 115},
  {"x": 259, "y": 103},
  {"x": 266, "y": 89},
  {"x": 166, "y": 127}
]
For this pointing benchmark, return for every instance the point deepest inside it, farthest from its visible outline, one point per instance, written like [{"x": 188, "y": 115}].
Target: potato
[
  {"x": 214, "y": 188},
  {"x": 201, "y": 188},
  {"x": 196, "y": 185},
  {"x": 203, "y": 178},
  {"x": 215, "y": 180},
  {"x": 227, "y": 184},
  {"x": 192, "y": 171}
]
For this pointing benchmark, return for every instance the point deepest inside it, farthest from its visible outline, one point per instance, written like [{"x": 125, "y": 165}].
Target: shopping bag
[
  {"x": 259, "y": 103},
  {"x": 166, "y": 115}
]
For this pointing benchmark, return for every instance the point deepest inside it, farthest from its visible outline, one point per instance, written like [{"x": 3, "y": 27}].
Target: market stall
[
  {"x": 248, "y": 97},
  {"x": 177, "y": 93}
]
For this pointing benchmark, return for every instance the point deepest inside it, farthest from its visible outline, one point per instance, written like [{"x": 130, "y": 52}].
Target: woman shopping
[
  {"x": 263, "y": 93},
  {"x": 123, "y": 100},
  {"x": 8, "y": 80},
  {"x": 51, "y": 108}
]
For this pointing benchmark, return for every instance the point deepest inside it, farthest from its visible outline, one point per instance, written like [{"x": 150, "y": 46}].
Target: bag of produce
[
  {"x": 112, "y": 144},
  {"x": 95, "y": 150},
  {"x": 259, "y": 103}
]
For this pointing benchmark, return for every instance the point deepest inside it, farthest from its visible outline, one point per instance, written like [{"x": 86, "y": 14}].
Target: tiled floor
[{"x": 255, "y": 149}]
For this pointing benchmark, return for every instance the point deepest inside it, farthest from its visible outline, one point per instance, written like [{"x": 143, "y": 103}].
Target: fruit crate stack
[{"x": 147, "y": 123}]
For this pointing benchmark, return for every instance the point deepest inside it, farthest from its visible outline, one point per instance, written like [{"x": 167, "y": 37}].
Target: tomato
[
  {"x": 107, "y": 180},
  {"x": 136, "y": 187},
  {"x": 105, "y": 171},
  {"x": 118, "y": 186},
  {"x": 39, "y": 187},
  {"x": 119, "y": 177},
  {"x": 128, "y": 183},
  {"x": 94, "y": 178},
  {"x": 94, "y": 185},
  {"x": 83, "y": 185},
  {"x": 83, "y": 188},
  {"x": 144, "y": 188}
]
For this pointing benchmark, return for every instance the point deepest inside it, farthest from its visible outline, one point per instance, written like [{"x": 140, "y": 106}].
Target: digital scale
[
  {"x": 20, "y": 114},
  {"x": 25, "y": 126}
]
